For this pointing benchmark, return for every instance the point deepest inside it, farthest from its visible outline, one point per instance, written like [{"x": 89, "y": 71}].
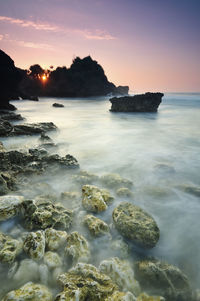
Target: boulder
[
  {"x": 84, "y": 178},
  {"x": 160, "y": 278},
  {"x": 44, "y": 214},
  {"x": 33, "y": 128},
  {"x": 10, "y": 116},
  {"x": 10, "y": 206},
  {"x": 57, "y": 105},
  {"x": 121, "y": 274},
  {"x": 95, "y": 199},
  {"x": 9, "y": 248},
  {"x": 77, "y": 248},
  {"x": 85, "y": 282},
  {"x": 115, "y": 181},
  {"x": 52, "y": 260},
  {"x": 124, "y": 192},
  {"x": 95, "y": 225},
  {"x": 135, "y": 224},
  {"x": 55, "y": 239},
  {"x": 30, "y": 292},
  {"x": 5, "y": 128},
  {"x": 148, "y": 102},
  {"x": 34, "y": 245}
]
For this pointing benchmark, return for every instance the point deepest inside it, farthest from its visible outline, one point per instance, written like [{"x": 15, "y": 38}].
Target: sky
[{"x": 149, "y": 45}]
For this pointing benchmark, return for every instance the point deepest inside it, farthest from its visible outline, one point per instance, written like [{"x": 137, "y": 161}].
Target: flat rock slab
[{"x": 137, "y": 225}]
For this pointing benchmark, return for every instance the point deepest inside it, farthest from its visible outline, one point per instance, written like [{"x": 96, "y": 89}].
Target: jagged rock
[
  {"x": 33, "y": 128},
  {"x": 34, "y": 245},
  {"x": 58, "y": 105},
  {"x": 96, "y": 226},
  {"x": 121, "y": 296},
  {"x": 29, "y": 292},
  {"x": 9, "y": 248},
  {"x": 5, "y": 128},
  {"x": 121, "y": 274},
  {"x": 86, "y": 283},
  {"x": 95, "y": 199},
  {"x": 77, "y": 248},
  {"x": 55, "y": 239},
  {"x": 6, "y": 115},
  {"x": 52, "y": 260},
  {"x": 10, "y": 206},
  {"x": 43, "y": 214},
  {"x": 148, "y": 102},
  {"x": 121, "y": 90},
  {"x": 124, "y": 192},
  {"x": 115, "y": 181},
  {"x": 135, "y": 224},
  {"x": 163, "y": 279}
]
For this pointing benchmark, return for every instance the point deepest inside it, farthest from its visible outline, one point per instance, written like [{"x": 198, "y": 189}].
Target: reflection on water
[{"x": 158, "y": 152}]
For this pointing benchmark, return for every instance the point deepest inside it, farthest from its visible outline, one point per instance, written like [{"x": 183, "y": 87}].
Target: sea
[{"x": 159, "y": 152}]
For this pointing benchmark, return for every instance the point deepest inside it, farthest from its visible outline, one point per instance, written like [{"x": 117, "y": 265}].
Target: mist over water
[{"x": 159, "y": 152}]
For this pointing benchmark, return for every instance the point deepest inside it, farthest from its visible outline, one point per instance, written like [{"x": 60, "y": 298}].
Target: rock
[
  {"x": 85, "y": 282},
  {"x": 44, "y": 214},
  {"x": 29, "y": 292},
  {"x": 84, "y": 178},
  {"x": 6, "y": 115},
  {"x": 10, "y": 206},
  {"x": 145, "y": 297},
  {"x": 124, "y": 192},
  {"x": 55, "y": 239},
  {"x": 9, "y": 248},
  {"x": 148, "y": 102},
  {"x": 77, "y": 248},
  {"x": 96, "y": 226},
  {"x": 3, "y": 190},
  {"x": 34, "y": 245},
  {"x": 115, "y": 181},
  {"x": 5, "y": 128},
  {"x": 121, "y": 90},
  {"x": 135, "y": 224},
  {"x": 52, "y": 260},
  {"x": 121, "y": 296},
  {"x": 45, "y": 138},
  {"x": 120, "y": 247},
  {"x": 95, "y": 199},
  {"x": 57, "y": 105},
  {"x": 163, "y": 279},
  {"x": 33, "y": 128},
  {"x": 121, "y": 274},
  {"x": 194, "y": 190},
  {"x": 2, "y": 148}
]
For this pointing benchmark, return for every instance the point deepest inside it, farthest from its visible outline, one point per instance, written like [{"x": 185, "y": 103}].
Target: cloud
[
  {"x": 1, "y": 37},
  {"x": 87, "y": 34},
  {"x": 35, "y": 45}
]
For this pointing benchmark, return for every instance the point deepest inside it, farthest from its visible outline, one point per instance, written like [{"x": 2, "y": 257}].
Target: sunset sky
[{"x": 150, "y": 45}]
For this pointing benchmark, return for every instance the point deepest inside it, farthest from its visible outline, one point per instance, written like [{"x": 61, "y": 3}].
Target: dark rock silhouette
[
  {"x": 57, "y": 105},
  {"x": 10, "y": 77},
  {"x": 148, "y": 102}
]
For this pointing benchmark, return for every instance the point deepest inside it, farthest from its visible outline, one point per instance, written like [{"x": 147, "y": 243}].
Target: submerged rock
[
  {"x": 120, "y": 247},
  {"x": 121, "y": 296},
  {"x": 10, "y": 206},
  {"x": 95, "y": 199},
  {"x": 55, "y": 239},
  {"x": 145, "y": 297},
  {"x": 44, "y": 214},
  {"x": 57, "y": 105},
  {"x": 96, "y": 226},
  {"x": 121, "y": 273},
  {"x": 9, "y": 248},
  {"x": 29, "y": 292},
  {"x": 163, "y": 279},
  {"x": 124, "y": 192},
  {"x": 84, "y": 178},
  {"x": 52, "y": 260},
  {"x": 148, "y": 102},
  {"x": 115, "y": 181},
  {"x": 77, "y": 248},
  {"x": 26, "y": 271},
  {"x": 34, "y": 245},
  {"x": 194, "y": 190},
  {"x": 135, "y": 224},
  {"x": 85, "y": 282}
]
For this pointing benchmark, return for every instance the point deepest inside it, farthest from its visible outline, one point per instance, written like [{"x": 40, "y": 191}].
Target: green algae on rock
[
  {"x": 43, "y": 214},
  {"x": 135, "y": 224},
  {"x": 160, "y": 278},
  {"x": 34, "y": 245},
  {"x": 9, "y": 248},
  {"x": 10, "y": 206},
  {"x": 29, "y": 292},
  {"x": 55, "y": 239},
  {"x": 95, "y": 225},
  {"x": 121, "y": 274},
  {"x": 95, "y": 199},
  {"x": 115, "y": 181},
  {"x": 52, "y": 260},
  {"x": 85, "y": 282},
  {"x": 77, "y": 248}
]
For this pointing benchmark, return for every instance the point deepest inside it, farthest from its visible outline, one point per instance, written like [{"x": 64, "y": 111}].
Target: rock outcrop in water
[{"x": 148, "y": 102}]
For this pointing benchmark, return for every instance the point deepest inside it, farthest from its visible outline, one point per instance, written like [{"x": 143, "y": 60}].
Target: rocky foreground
[
  {"x": 51, "y": 245},
  {"x": 148, "y": 102}
]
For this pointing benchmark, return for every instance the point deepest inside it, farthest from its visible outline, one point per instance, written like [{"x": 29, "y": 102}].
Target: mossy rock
[
  {"x": 95, "y": 225},
  {"x": 137, "y": 225},
  {"x": 34, "y": 245},
  {"x": 77, "y": 248},
  {"x": 55, "y": 239},
  {"x": 9, "y": 248},
  {"x": 163, "y": 279},
  {"x": 115, "y": 181},
  {"x": 95, "y": 199},
  {"x": 52, "y": 260},
  {"x": 10, "y": 205},
  {"x": 121, "y": 296}
]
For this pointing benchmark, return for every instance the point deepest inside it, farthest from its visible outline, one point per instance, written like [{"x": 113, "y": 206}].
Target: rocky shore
[{"x": 51, "y": 245}]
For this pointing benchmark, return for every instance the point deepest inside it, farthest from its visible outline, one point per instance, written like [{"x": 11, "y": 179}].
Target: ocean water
[{"x": 159, "y": 152}]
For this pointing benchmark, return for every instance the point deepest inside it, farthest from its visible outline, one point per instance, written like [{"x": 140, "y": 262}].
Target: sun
[{"x": 44, "y": 77}]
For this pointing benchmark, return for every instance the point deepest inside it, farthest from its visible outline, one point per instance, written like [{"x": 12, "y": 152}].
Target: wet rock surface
[
  {"x": 77, "y": 248},
  {"x": 135, "y": 224},
  {"x": 9, "y": 248},
  {"x": 148, "y": 102},
  {"x": 95, "y": 225},
  {"x": 34, "y": 245},
  {"x": 10, "y": 206}
]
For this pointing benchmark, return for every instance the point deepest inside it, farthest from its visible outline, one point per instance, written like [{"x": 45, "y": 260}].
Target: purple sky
[{"x": 150, "y": 45}]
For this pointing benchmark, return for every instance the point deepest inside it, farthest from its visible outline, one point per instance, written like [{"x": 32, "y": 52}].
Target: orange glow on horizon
[{"x": 44, "y": 77}]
